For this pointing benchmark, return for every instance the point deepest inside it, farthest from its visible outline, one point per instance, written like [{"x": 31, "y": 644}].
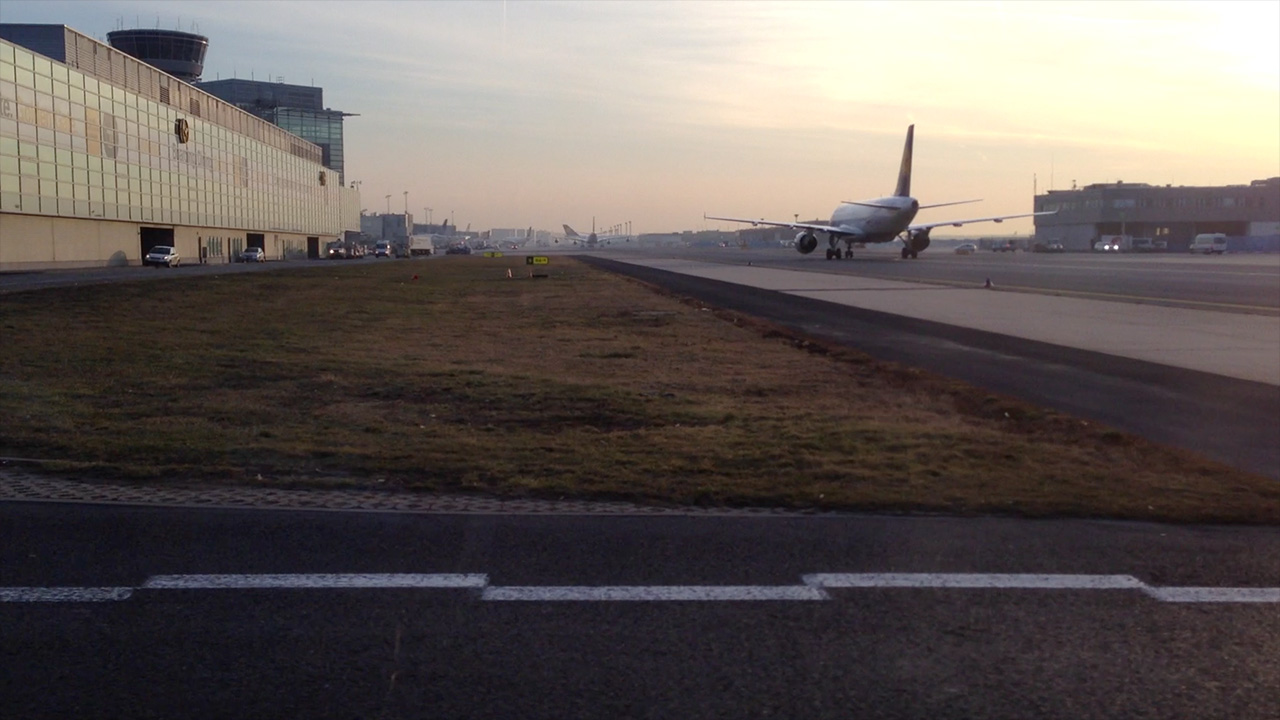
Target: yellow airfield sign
[{"x": 536, "y": 260}]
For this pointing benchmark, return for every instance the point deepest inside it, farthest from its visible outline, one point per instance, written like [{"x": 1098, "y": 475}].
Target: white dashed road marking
[
  {"x": 366, "y": 581},
  {"x": 963, "y": 580},
  {"x": 1214, "y": 595},
  {"x": 815, "y": 587},
  {"x": 656, "y": 593},
  {"x": 64, "y": 594}
]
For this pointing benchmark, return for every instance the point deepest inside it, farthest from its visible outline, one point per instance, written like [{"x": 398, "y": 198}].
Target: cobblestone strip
[{"x": 16, "y": 484}]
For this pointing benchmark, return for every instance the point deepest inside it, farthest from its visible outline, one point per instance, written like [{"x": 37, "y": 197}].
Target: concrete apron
[{"x": 1233, "y": 345}]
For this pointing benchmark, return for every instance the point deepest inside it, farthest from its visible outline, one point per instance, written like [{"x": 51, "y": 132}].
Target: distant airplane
[
  {"x": 875, "y": 221},
  {"x": 590, "y": 241}
]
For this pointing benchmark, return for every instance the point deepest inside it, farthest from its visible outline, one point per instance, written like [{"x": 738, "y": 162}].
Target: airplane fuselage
[{"x": 884, "y": 222}]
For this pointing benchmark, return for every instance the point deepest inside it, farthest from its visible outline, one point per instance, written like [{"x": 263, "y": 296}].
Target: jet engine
[
  {"x": 918, "y": 240},
  {"x": 807, "y": 242}
]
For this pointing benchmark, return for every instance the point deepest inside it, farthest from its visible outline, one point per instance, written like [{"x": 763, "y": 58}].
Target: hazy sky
[{"x": 510, "y": 114}]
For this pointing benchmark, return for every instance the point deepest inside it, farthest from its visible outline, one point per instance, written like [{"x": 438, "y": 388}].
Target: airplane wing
[
  {"x": 958, "y": 223},
  {"x": 793, "y": 225}
]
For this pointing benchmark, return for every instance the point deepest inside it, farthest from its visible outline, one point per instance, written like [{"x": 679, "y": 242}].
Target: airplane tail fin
[
  {"x": 904, "y": 172},
  {"x": 569, "y": 232}
]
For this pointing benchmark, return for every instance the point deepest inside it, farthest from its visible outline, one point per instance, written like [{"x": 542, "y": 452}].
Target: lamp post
[{"x": 388, "y": 204}]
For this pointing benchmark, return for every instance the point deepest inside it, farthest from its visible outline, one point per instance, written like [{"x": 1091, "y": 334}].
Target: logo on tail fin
[{"x": 904, "y": 172}]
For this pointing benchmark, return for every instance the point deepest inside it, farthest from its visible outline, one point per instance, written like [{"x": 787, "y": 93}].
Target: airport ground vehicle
[
  {"x": 420, "y": 245},
  {"x": 344, "y": 250},
  {"x": 966, "y": 249},
  {"x": 1112, "y": 243},
  {"x": 253, "y": 254},
  {"x": 1008, "y": 246},
  {"x": 458, "y": 249},
  {"x": 1050, "y": 248},
  {"x": 1209, "y": 243},
  {"x": 162, "y": 255},
  {"x": 383, "y": 249}
]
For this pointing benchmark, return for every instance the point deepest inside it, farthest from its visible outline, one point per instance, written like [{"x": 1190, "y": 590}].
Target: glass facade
[
  {"x": 72, "y": 145},
  {"x": 296, "y": 108},
  {"x": 324, "y": 128}
]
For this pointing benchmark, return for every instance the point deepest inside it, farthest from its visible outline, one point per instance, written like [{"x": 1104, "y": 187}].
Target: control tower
[{"x": 180, "y": 54}]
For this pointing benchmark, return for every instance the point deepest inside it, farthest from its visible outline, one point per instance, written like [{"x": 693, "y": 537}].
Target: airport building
[
  {"x": 297, "y": 108},
  {"x": 1248, "y": 214},
  {"x": 103, "y": 156}
]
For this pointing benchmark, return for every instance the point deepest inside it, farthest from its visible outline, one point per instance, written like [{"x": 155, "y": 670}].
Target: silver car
[
  {"x": 253, "y": 254},
  {"x": 162, "y": 255}
]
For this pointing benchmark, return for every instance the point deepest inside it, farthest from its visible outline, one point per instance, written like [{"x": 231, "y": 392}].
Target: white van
[{"x": 1209, "y": 243}]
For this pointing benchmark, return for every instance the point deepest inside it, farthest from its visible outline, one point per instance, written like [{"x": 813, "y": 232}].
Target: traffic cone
[
  {"x": 508, "y": 273},
  {"x": 415, "y": 277}
]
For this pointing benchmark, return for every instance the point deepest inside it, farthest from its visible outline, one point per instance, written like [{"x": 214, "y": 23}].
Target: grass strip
[{"x": 581, "y": 384}]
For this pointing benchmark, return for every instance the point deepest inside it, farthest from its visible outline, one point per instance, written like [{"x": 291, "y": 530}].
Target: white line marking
[
  {"x": 658, "y": 593},
  {"x": 64, "y": 594},
  {"x": 1214, "y": 595},
  {"x": 984, "y": 581},
  {"x": 814, "y": 588},
  {"x": 236, "y": 582}
]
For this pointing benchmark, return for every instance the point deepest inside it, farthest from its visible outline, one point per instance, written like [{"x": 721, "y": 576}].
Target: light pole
[
  {"x": 388, "y": 204},
  {"x": 428, "y": 215},
  {"x": 406, "y": 203}
]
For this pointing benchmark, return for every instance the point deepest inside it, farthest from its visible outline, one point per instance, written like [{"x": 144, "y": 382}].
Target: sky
[{"x": 515, "y": 114}]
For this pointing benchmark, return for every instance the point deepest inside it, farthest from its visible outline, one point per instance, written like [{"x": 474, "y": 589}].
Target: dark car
[{"x": 458, "y": 250}]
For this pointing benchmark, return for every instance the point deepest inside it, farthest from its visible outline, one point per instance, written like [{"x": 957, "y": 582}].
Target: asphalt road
[
  {"x": 177, "y": 648},
  {"x": 1232, "y": 283},
  {"x": 26, "y": 280}
]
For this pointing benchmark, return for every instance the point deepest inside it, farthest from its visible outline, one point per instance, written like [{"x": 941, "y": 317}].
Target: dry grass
[{"x": 583, "y": 384}]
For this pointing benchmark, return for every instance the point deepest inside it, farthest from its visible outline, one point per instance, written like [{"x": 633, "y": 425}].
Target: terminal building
[
  {"x": 297, "y": 108},
  {"x": 1248, "y": 214},
  {"x": 103, "y": 156}
]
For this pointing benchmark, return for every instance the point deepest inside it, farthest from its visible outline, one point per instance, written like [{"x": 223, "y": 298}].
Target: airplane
[
  {"x": 590, "y": 241},
  {"x": 875, "y": 221}
]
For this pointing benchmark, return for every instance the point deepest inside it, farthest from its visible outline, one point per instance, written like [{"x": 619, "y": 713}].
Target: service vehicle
[{"x": 1209, "y": 243}]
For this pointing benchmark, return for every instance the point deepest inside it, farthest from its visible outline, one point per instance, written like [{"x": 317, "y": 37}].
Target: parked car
[
  {"x": 1049, "y": 248},
  {"x": 1009, "y": 246},
  {"x": 162, "y": 255},
  {"x": 966, "y": 249},
  {"x": 253, "y": 254},
  {"x": 458, "y": 249},
  {"x": 382, "y": 249}
]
